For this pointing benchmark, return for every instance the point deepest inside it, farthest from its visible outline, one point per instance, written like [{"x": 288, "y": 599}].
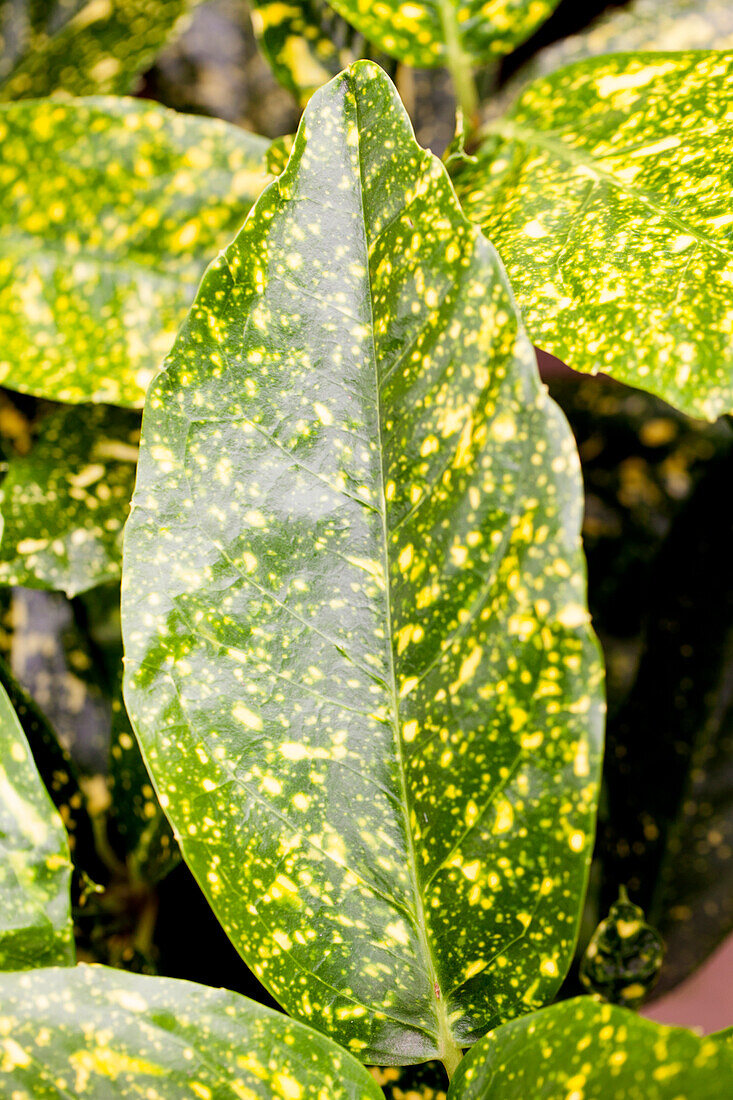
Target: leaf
[
  {"x": 304, "y": 41},
  {"x": 358, "y": 658},
  {"x": 642, "y": 25},
  {"x": 109, "y": 212},
  {"x": 622, "y": 961},
  {"x": 604, "y": 191},
  {"x": 58, "y": 774},
  {"x": 65, "y": 503},
  {"x": 429, "y": 33},
  {"x": 101, "y": 1032},
  {"x": 80, "y": 47},
  {"x": 581, "y": 1048},
  {"x": 35, "y": 918},
  {"x": 136, "y": 820}
]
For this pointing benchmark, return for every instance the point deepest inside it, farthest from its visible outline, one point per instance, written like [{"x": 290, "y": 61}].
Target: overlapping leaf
[
  {"x": 583, "y": 1050},
  {"x": 110, "y": 210},
  {"x": 35, "y": 919},
  {"x": 426, "y": 33},
  {"x": 65, "y": 503},
  {"x": 305, "y": 42},
  {"x": 642, "y": 25},
  {"x": 99, "y": 1032},
  {"x": 81, "y": 46},
  {"x": 359, "y": 661},
  {"x": 605, "y": 190}
]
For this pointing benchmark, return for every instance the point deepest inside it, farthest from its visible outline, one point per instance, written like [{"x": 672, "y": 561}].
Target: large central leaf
[{"x": 358, "y": 657}]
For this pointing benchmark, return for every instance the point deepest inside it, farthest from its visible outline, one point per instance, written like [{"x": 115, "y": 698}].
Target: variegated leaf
[
  {"x": 584, "y": 1050},
  {"x": 64, "y": 504},
  {"x": 110, "y": 210},
  {"x": 606, "y": 191},
  {"x": 426, "y": 33},
  {"x": 304, "y": 41},
  {"x": 353, "y": 603},
  {"x": 35, "y": 917},
  {"x": 93, "y": 1031},
  {"x": 81, "y": 46}
]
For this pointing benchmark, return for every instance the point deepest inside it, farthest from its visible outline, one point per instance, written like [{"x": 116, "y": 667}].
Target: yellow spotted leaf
[
  {"x": 64, "y": 504},
  {"x": 103, "y": 1033},
  {"x": 584, "y": 1050},
  {"x": 359, "y": 661},
  {"x": 606, "y": 191},
  {"x": 110, "y": 210},
  {"x": 428, "y": 33},
  {"x": 305, "y": 42},
  {"x": 641, "y": 25},
  {"x": 35, "y": 868},
  {"x": 81, "y": 47}
]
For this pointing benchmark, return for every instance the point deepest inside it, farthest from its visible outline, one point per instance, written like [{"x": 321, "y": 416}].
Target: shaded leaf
[
  {"x": 65, "y": 503},
  {"x": 604, "y": 191},
  {"x": 92, "y": 1030},
  {"x": 366, "y": 688},
  {"x": 58, "y": 773},
  {"x": 581, "y": 1048},
  {"x": 80, "y": 47},
  {"x": 109, "y": 212},
  {"x": 305, "y": 42},
  {"x": 623, "y": 959},
  {"x": 426, "y": 33},
  {"x": 35, "y": 919},
  {"x": 139, "y": 826}
]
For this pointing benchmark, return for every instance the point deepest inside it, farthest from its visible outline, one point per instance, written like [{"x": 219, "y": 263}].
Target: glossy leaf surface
[
  {"x": 110, "y": 209},
  {"x": 604, "y": 190},
  {"x": 581, "y": 1048},
  {"x": 78, "y": 47},
  {"x": 366, "y": 687},
  {"x": 99, "y": 1032},
  {"x": 65, "y": 503},
  {"x": 426, "y": 33},
  {"x": 35, "y": 918}
]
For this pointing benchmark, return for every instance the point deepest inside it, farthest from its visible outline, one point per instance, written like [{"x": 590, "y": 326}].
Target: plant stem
[
  {"x": 451, "y": 1057},
  {"x": 459, "y": 66}
]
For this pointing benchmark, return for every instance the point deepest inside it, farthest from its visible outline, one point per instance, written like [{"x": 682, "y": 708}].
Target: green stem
[
  {"x": 459, "y": 66},
  {"x": 451, "y": 1056}
]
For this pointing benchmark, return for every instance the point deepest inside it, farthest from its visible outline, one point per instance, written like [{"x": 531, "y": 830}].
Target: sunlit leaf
[
  {"x": 65, "y": 503},
  {"x": 426, "y": 33},
  {"x": 305, "y": 42},
  {"x": 110, "y": 209},
  {"x": 353, "y": 603},
  {"x": 93, "y": 1031},
  {"x": 581, "y": 1048},
  {"x": 605, "y": 190},
  {"x": 35, "y": 919},
  {"x": 81, "y": 46}
]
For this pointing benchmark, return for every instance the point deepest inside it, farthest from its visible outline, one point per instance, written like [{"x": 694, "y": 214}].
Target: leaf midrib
[{"x": 443, "y": 1029}]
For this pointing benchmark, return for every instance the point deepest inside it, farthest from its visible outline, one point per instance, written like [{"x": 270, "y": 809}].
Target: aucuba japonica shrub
[{"x": 362, "y": 697}]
